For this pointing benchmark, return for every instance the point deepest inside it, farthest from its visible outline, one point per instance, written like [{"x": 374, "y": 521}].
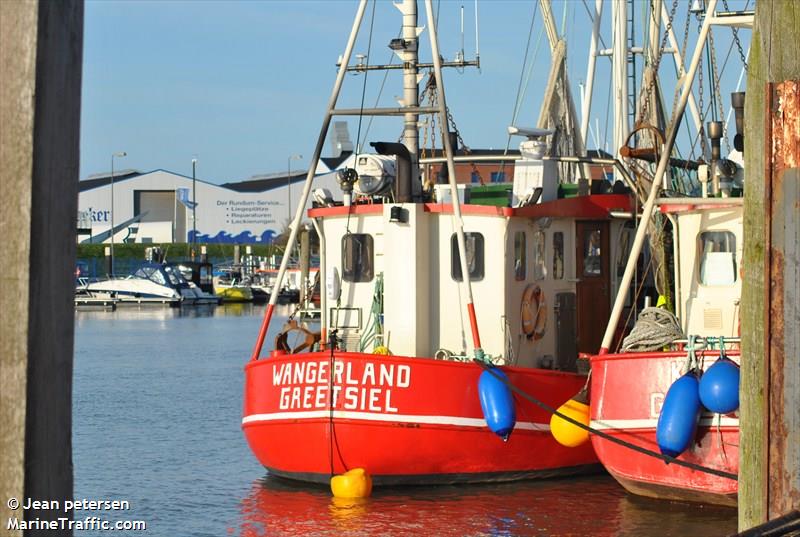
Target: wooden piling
[
  {"x": 40, "y": 61},
  {"x": 769, "y": 474}
]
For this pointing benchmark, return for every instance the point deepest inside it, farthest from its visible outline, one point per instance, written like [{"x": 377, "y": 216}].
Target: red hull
[
  {"x": 627, "y": 392},
  {"x": 405, "y": 420}
]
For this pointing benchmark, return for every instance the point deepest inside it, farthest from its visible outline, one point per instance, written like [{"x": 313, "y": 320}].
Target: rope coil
[{"x": 655, "y": 329}]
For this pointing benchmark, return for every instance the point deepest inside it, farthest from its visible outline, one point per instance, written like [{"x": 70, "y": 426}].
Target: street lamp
[
  {"x": 289, "y": 179},
  {"x": 120, "y": 154},
  {"x": 194, "y": 207}
]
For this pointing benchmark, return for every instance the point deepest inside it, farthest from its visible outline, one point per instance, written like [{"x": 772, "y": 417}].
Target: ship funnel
[
  {"x": 737, "y": 100},
  {"x": 402, "y": 187}
]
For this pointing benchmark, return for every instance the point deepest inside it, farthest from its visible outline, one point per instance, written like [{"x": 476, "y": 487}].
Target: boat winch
[{"x": 297, "y": 334}]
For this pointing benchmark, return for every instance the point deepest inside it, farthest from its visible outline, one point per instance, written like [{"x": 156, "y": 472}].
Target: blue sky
[{"x": 242, "y": 85}]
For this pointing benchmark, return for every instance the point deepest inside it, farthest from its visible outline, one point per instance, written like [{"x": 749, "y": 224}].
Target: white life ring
[{"x": 533, "y": 312}]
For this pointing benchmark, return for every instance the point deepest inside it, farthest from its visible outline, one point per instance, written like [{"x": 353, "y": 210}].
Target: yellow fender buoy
[
  {"x": 355, "y": 483},
  {"x": 381, "y": 350},
  {"x": 566, "y": 433}
]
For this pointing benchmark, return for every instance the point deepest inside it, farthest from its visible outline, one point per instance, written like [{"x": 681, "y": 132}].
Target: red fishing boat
[
  {"x": 406, "y": 420},
  {"x": 645, "y": 379},
  {"x": 388, "y": 381},
  {"x": 640, "y": 392},
  {"x": 415, "y": 416},
  {"x": 628, "y": 388}
]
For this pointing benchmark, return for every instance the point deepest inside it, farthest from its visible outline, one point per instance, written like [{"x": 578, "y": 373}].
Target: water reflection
[
  {"x": 594, "y": 506},
  {"x": 157, "y": 413},
  {"x": 643, "y": 516},
  {"x": 161, "y": 312}
]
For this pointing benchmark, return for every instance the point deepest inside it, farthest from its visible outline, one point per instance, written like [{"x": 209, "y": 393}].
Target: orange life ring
[{"x": 533, "y": 312}]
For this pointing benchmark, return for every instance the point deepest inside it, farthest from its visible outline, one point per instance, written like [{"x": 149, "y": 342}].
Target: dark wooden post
[
  {"x": 769, "y": 474},
  {"x": 40, "y": 61}
]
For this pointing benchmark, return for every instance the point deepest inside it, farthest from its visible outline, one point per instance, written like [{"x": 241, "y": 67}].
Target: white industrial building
[
  {"x": 165, "y": 207},
  {"x": 156, "y": 206}
]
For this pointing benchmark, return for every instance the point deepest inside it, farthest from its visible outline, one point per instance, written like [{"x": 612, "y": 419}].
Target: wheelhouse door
[{"x": 593, "y": 283}]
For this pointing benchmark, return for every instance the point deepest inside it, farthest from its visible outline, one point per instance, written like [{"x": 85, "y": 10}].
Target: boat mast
[
  {"x": 586, "y": 105},
  {"x": 654, "y": 39},
  {"x": 458, "y": 222},
  {"x": 676, "y": 56},
  {"x": 298, "y": 215},
  {"x": 663, "y": 162},
  {"x": 563, "y": 105},
  {"x": 410, "y": 57},
  {"x": 619, "y": 62}
]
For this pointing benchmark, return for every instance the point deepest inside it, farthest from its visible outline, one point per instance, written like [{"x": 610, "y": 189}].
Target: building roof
[
  {"x": 262, "y": 183},
  {"x": 102, "y": 179},
  {"x": 333, "y": 162}
]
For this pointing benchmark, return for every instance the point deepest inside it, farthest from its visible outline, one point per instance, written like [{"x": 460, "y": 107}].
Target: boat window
[
  {"x": 357, "y": 257},
  {"x": 474, "y": 244},
  {"x": 156, "y": 276},
  {"x": 717, "y": 258},
  {"x": 539, "y": 263},
  {"x": 520, "y": 258},
  {"x": 185, "y": 271},
  {"x": 205, "y": 275},
  {"x": 152, "y": 274},
  {"x": 592, "y": 261},
  {"x": 558, "y": 255},
  {"x": 174, "y": 277},
  {"x": 498, "y": 177}
]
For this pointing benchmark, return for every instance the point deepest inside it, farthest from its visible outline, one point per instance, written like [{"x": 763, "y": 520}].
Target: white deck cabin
[
  {"x": 708, "y": 242},
  {"x": 542, "y": 276}
]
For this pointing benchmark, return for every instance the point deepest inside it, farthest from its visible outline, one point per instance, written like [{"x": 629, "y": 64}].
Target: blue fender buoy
[
  {"x": 719, "y": 386},
  {"x": 497, "y": 403},
  {"x": 680, "y": 413}
]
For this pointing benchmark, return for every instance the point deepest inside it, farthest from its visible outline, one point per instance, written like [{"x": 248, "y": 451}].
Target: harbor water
[{"x": 156, "y": 422}]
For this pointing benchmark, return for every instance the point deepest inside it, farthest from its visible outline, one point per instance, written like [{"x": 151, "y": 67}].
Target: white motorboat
[{"x": 150, "y": 283}]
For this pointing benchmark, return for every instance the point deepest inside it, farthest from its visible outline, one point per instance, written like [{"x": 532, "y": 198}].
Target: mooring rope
[
  {"x": 333, "y": 440},
  {"x": 644, "y": 451},
  {"x": 655, "y": 328}
]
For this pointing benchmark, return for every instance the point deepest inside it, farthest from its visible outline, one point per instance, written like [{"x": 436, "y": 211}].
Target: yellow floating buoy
[
  {"x": 355, "y": 483},
  {"x": 381, "y": 350},
  {"x": 566, "y": 433}
]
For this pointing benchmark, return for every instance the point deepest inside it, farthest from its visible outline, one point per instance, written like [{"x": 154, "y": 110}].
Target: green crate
[
  {"x": 498, "y": 195},
  {"x": 567, "y": 190}
]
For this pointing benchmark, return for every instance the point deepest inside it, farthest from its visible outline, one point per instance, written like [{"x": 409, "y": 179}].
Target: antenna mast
[{"x": 407, "y": 51}]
